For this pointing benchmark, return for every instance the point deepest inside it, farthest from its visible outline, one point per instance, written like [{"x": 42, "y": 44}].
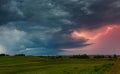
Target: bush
[
  {"x": 109, "y": 57},
  {"x": 99, "y": 56},
  {"x": 84, "y": 56},
  {"x": 115, "y": 56},
  {"x": 19, "y": 55}
]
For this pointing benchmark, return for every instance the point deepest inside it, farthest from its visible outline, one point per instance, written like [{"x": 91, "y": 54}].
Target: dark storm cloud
[
  {"x": 3, "y": 12},
  {"x": 93, "y": 13},
  {"x": 46, "y": 25},
  {"x": 66, "y": 41},
  {"x": 9, "y": 11}
]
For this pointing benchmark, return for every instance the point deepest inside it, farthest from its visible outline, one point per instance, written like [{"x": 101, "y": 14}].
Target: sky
[{"x": 59, "y": 27}]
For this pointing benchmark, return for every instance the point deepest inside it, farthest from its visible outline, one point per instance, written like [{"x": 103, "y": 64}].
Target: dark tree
[
  {"x": 4, "y": 54},
  {"x": 115, "y": 56}
]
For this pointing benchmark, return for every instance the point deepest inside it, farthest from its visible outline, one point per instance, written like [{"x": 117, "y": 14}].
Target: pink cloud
[{"x": 106, "y": 40}]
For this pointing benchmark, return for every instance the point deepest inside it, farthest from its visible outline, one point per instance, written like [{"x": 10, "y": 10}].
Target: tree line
[
  {"x": 83, "y": 56},
  {"x": 13, "y": 55}
]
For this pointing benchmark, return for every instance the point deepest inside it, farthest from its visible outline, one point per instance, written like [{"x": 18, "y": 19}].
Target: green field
[{"x": 44, "y": 65}]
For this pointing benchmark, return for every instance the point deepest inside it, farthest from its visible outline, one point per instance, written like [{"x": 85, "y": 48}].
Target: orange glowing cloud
[
  {"x": 92, "y": 34},
  {"x": 106, "y": 40}
]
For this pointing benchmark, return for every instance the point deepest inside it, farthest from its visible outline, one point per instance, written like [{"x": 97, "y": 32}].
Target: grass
[{"x": 42, "y": 65}]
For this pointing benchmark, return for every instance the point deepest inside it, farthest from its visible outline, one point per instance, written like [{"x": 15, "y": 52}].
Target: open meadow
[{"x": 47, "y": 65}]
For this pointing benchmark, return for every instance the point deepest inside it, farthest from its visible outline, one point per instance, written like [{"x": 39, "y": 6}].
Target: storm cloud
[{"x": 42, "y": 27}]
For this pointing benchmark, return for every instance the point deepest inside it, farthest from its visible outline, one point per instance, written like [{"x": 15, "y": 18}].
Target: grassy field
[{"x": 41, "y": 65}]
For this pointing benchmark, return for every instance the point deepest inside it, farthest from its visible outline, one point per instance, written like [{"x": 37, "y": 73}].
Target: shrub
[
  {"x": 109, "y": 57},
  {"x": 99, "y": 56},
  {"x": 84, "y": 56},
  {"x": 115, "y": 56},
  {"x": 19, "y": 55}
]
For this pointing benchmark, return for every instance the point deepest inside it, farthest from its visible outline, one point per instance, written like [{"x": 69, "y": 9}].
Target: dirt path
[{"x": 115, "y": 69}]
